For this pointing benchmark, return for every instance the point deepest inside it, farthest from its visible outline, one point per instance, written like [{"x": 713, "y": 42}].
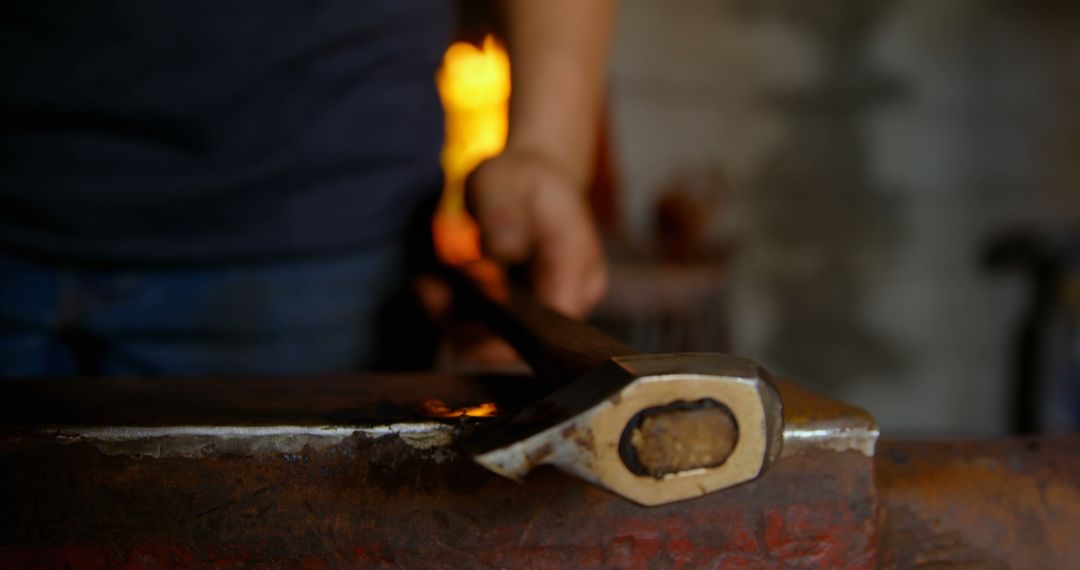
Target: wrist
[{"x": 572, "y": 170}]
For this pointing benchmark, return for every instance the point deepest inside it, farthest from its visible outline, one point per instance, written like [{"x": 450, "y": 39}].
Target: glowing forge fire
[
  {"x": 439, "y": 409},
  {"x": 474, "y": 85}
]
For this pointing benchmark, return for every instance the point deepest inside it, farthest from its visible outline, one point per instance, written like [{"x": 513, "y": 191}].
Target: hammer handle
[{"x": 558, "y": 348}]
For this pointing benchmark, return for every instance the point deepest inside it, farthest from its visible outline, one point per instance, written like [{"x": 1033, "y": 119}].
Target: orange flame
[
  {"x": 474, "y": 85},
  {"x": 439, "y": 409}
]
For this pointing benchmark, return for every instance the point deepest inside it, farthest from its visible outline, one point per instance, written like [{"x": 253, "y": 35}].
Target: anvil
[
  {"x": 351, "y": 470},
  {"x": 346, "y": 471}
]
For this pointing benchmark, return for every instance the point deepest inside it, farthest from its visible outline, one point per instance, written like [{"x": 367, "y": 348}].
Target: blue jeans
[{"x": 287, "y": 317}]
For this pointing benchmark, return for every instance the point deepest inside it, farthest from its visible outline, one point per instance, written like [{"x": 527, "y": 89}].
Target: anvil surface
[{"x": 345, "y": 471}]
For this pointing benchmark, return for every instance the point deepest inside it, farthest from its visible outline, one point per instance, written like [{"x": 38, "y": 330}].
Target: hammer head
[{"x": 652, "y": 428}]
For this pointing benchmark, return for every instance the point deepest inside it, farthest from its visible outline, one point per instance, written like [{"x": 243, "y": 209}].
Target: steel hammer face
[{"x": 675, "y": 426}]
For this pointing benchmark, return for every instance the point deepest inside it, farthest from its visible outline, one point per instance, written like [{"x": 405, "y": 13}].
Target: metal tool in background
[{"x": 1045, "y": 383}]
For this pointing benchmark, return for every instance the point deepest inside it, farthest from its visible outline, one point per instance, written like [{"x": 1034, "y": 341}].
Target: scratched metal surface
[
  {"x": 174, "y": 415},
  {"x": 201, "y": 417},
  {"x": 338, "y": 472}
]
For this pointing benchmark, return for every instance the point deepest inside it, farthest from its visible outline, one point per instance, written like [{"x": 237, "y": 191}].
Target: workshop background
[{"x": 872, "y": 198}]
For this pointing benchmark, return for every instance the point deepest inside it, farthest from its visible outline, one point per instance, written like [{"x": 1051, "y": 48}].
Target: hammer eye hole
[{"x": 679, "y": 437}]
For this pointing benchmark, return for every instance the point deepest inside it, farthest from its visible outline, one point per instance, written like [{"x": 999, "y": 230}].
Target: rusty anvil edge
[{"x": 811, "y": 422}]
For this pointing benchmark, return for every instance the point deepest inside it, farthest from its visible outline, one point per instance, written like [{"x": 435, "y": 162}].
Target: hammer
[{"x": 653, "y": 428}]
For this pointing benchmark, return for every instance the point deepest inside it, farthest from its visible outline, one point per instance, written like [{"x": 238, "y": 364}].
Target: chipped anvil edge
[{"x": 208, "y": 441}]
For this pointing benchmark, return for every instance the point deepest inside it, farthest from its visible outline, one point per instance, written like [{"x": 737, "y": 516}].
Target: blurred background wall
[{"x": 836, "y": 169}]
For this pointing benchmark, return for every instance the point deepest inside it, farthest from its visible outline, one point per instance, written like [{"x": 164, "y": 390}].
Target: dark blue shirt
[{"x": 202, "y": 130}]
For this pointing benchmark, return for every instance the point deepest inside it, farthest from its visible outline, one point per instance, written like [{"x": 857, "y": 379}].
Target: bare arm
[
  {"x": 558, "y": 50},
  {"x": 529, "y": 201}
]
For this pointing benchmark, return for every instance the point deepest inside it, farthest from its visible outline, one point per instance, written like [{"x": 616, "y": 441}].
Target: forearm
[{"x": 558, "y": 51}]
